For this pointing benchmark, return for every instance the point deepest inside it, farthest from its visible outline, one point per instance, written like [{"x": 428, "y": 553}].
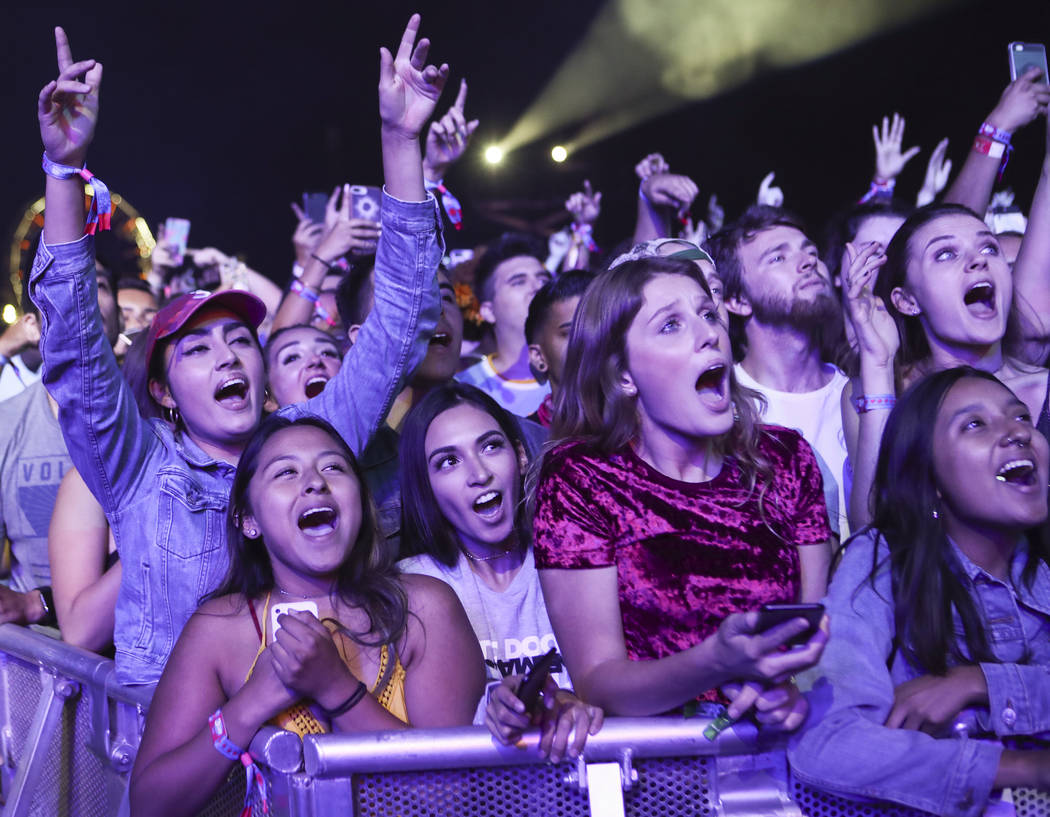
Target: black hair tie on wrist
[{"x": 355, "y": 698}]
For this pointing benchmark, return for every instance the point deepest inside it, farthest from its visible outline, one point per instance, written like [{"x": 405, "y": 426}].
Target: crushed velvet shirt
[{"x": 686, "y": 554}]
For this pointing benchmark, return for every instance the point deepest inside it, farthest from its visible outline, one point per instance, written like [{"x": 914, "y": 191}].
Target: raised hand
[
  {"x": 768, "y": 193},
  {"x": 670, "y": 190},
  {"x": 889, "y": 160},
  {"x": 67, "y": 107},
  {"x": 938, "y": 169},
  {"x": 345, "y": 234},
  {"x": 408, "y": 87},
  {"x": 1022, "y": 101},
  {"x": 877, "y": 335},
  {"x": 650, "y": 165},
  {"x": 448, "y": 138},
  {"x": 307, "y": 235},
  {"x": 585, "y": 206}
]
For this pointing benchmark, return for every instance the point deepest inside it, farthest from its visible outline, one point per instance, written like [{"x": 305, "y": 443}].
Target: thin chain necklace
[
  {"x": 502, "y": 553},
  {"x": 284, "y": 592}
]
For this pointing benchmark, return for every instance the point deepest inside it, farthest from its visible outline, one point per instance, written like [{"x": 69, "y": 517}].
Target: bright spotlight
[
  {"x": 9, "y": 314},
  {"x": 493, "y": 154},
  {"x": 559, "y": 153}
]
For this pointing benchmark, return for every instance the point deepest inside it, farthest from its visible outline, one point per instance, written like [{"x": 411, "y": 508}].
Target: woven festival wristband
[
  {"x": 874, "y": 402},
  {"x": 220, "y": 738},
  {"x": 304, "y": 291},
  {"x": 101, "y": 211}
]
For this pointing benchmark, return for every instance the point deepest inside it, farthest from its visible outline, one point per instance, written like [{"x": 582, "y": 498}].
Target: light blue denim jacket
[
  {"x": 844, "y": 747},
  {"x": 164, "y": 497}
]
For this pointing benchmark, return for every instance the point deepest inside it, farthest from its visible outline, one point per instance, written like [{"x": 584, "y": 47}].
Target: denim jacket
[
  {"x": 165, "y": 498},
  {"x": 844, "y": 747}
]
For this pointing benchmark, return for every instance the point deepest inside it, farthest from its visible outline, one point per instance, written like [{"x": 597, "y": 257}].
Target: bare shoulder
[{"x": 427, "y": 595}]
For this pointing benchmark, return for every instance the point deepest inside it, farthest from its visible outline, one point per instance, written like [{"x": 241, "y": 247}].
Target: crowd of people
[{"x": 375, "y": 496}]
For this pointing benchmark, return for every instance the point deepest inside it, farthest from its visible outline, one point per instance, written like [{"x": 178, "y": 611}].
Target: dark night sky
[{"x": 224, "y": 119}]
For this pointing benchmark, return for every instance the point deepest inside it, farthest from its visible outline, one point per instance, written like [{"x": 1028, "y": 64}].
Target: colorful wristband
[
  {"x": 304, "y": 291},
  {"x": 101, "y": 211},
  {"x": 994, "y": 142},
  {"x": 992, "y": 132},
  {"x": 449, "y": 202},
  {"x": 874, "y": 402},
  {"x": 220, "y": 738}
]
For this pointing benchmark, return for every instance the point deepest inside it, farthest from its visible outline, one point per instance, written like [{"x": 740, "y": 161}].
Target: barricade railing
[{"x": 69, "y": 733}]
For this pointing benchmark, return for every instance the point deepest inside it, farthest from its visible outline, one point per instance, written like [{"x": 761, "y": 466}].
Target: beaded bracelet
[{"x": 355, "y": 698}]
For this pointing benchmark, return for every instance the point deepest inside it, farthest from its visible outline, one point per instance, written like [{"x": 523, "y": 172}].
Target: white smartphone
[
  {"x": 1027, "y": 55},
  {"x": 287, "y": 607}
]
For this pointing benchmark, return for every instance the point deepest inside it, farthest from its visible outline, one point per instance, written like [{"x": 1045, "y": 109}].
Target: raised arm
[
  {"x": 1022, "y": 101},
  {"x": 107, "y": 439},
  {"x": 393, "y": 340},
  {"x": 1032, "y": 268},
  {"x": 585, "y": 207}
]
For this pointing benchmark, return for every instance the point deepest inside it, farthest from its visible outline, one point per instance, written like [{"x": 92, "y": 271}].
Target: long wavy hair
[
  {"x": 424, "y": 528},
  {"x": 915, "y": 346},
  {"x": 367, "y": 578},
  {"x": 926, "y": 576},
  {"x": 592, "y": 406}
]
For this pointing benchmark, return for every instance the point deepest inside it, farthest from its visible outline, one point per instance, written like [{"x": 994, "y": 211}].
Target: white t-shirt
[
  {"x": 521, "y": 397},
  {"x": 512, "y": 627},
  {"x": 817, "y": 416},
  {"x": 16, "y": 377}
]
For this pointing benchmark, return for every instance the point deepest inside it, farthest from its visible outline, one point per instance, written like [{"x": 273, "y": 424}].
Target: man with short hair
[
  {"x": 33, "y": 460},
  {"x": 785, "y": 321},
  {"x": 507, "y": 277}
]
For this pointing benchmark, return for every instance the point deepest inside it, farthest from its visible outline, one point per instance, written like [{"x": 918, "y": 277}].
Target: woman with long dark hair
[
  {"x": 941, "y": 610},
  {"x": 382, "y": 651},
  {"x": 463, "y": 461},
  {"x": 665, "y": 512}
]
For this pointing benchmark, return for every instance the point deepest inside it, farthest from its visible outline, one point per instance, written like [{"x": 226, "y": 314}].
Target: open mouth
[
  {"x": 980, "y": 298},
  {"x": 317, "y": 521},
  {"x": 1018, "y": 472},
  {"x": 232, "y": 391},
  {"x": 441, "y": 339},
  {"x": 712, "y": 384},
  {"x": 315, "y": 385},
  {"x": 489, "y": 503}
]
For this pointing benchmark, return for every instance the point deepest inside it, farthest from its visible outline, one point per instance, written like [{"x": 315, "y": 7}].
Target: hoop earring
[{"x": 172, "y": 415}]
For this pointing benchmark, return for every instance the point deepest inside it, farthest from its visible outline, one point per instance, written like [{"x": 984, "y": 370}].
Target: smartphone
[
  {"x": 365, "y": 202},
  {"x": 770, "y": 615},
  {"x": 286, "y": 607},
  {"x": 535, "y": 678},
  {"x": 177, "y": 236},
  {"x": 1026, "y": 55},
  {"x": 315, "y": 205}
]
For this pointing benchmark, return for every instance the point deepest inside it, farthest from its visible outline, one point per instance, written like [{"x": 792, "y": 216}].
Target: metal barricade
[{"x": 69, "y": 733}]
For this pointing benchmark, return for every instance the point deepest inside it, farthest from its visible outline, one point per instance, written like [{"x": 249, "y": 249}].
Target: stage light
[
  {"x": 10, "y": 314},
  {"x": 641, "y": 59},
  {"x": 559, "y": 153},
  {"x": 493, "y": 154}
]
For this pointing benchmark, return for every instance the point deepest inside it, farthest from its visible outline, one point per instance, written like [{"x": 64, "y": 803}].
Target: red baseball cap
[{"x": 175, "y": 315}]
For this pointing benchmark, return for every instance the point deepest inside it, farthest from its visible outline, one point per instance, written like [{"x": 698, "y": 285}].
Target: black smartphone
[
  {"x": 1027, "y": 55},
  {"x": 770, "y": 615},
  {"x": 314, "y": 205},
  {"x": 535, "y": 678}
]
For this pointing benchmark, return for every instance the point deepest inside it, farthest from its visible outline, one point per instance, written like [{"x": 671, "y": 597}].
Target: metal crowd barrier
[{"x": 69, "y": 734}]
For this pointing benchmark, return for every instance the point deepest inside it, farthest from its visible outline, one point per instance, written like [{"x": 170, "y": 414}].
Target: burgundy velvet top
[{"x": 686, "y": 554}]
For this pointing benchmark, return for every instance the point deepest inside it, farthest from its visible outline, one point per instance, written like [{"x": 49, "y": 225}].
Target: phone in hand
[
  {"x": 770, "y": 615},
  {"x": 1027, "y": 55},
  {"x": 177, "y": 236},
  {"x": 315, "y": 205},
  {"x": 535, "y": 678},
  {"x": 286, "y": 607},
  {"x": 366, "y": 202}
]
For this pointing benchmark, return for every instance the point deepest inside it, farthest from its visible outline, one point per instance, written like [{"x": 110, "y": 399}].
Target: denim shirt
[
  {"x": 165, "y": 498},
  {"x": 844, "y": 747}
]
